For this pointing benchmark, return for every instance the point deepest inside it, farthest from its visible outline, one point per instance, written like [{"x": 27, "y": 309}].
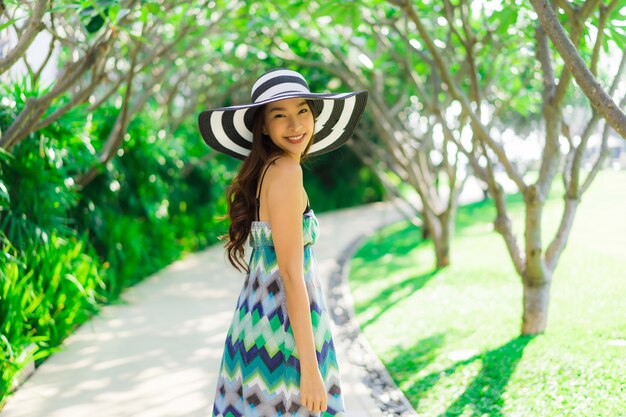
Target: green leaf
[
  {"x": 4, "y": 194},
  {"x": 66, "y": 6},
  {"x": 113, "y": 11},
  {"x": 9, "y": 23},
  {"x": 144, "y": 14},
  {"x": 355, "y": 17},
  {"x": 618, "y": 36},
  {"x": 153, "y": 8},
  {"x": 328, "y": 8}
]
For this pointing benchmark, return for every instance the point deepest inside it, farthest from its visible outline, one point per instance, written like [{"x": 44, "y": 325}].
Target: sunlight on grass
[{"x": 450, "y": 338}]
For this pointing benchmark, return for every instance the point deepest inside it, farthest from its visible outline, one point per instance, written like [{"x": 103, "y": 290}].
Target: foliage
[
  {"x": 38, "y": 175},
  {"x": 43, "y": 297}
]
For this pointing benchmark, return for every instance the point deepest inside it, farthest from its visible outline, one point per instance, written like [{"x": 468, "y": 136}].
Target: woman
[{"x": 279, "y": 356}]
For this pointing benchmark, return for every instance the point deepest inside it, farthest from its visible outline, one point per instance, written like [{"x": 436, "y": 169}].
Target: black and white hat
[{"x": 229, "y": 129}]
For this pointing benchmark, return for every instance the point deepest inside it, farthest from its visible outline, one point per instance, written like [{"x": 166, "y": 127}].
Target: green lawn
[{"x": 450, "y": 338}]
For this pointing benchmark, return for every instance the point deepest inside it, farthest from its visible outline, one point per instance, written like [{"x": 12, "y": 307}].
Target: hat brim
[{"x": 229, "y": 129}]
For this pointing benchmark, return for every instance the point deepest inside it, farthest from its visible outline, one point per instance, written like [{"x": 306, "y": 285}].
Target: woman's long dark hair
[{"x": 241, "y": 192}]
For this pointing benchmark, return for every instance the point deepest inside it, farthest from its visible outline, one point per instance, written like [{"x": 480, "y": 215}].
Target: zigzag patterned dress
[{"x": 260, "y": 370}]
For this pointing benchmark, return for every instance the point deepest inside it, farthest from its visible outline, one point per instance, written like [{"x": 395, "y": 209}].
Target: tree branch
[
  {"x": 36, "y": 107},
  {"x": 80, "y": 97},
  {"x": 414, "y": 212},
  {"x": 551, "y": 110},
  {"x": 45, "y": 61},
  {"x": 604, "y": 13},
  {"x": 573, "y": 189},
  {"x": 600, "y": 100},
  {"x": 555, "y": 248},
  {"x": 117, "y": 131},
  {"x": 479, "y": 129},
  {"x": 604, "y": 152},
  {"x": 26, "y": 38},
  {"x": 569, "y": 12}
]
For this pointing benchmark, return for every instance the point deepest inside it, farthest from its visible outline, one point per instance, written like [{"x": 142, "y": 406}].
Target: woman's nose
[{"x": 294, "y": 123}]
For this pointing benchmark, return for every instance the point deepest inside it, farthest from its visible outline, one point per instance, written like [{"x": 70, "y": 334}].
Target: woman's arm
[{"x": 285, "y": 217}]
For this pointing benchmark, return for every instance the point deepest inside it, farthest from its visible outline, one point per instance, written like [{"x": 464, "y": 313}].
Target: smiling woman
[
  {"x": 289, "y": 123},
  {"x": 279, "y": 356}
]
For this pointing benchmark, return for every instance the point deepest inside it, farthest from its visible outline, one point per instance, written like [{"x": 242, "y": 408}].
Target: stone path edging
[{"x": 383, "y": 390}]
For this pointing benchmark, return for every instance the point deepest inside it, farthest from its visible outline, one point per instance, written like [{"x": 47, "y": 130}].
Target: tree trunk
[
  {"x": 536, "y": 302},
  {"x": 442, "y": 250},
  {"x": 439, "y": 232},
  {"x": 425, "y": 231}
]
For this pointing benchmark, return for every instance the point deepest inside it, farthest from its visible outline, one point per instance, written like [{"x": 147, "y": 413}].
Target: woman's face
[{"x": 290, "y": 125}]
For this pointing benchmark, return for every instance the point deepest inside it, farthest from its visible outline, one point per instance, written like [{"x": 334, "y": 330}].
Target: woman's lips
[{"x": 296, "y": 139}]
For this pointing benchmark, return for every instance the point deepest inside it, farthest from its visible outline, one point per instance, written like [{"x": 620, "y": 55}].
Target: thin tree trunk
[
  {"x": 439, "y": 232},
  {"x": 442, "y": 250},
  {"x": 536, "y": 303}
]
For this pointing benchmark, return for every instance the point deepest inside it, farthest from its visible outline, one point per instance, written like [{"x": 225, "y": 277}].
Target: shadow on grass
[
  {"x": 483, "y": 395},
  {"x": 397, "y": 241},
  {"x": 395, "y": 293}
]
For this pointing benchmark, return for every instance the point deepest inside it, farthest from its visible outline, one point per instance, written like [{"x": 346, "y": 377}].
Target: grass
[{"x": 451, "y": 338}]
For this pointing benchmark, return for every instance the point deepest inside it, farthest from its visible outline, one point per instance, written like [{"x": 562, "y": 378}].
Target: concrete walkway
[{"x": 158, "y": 354}]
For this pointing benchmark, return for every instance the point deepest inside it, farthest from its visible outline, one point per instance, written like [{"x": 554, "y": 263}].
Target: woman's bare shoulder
[{"x": 285, "y": 169}]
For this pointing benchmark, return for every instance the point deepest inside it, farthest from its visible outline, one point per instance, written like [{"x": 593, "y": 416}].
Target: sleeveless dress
[{"x": 259, "y": 374}]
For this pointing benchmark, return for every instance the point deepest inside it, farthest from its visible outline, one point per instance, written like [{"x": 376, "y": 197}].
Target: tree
[{"x": 534, "y": 262}]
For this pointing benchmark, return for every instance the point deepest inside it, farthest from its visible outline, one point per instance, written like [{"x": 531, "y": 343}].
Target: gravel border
[{"x": 386, "y": 394}]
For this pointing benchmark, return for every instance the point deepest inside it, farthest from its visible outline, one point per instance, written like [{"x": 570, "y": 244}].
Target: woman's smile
[{"x": 296, "y": 139}]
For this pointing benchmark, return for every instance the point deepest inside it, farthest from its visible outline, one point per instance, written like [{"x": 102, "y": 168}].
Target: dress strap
[{"x": 258, "y": 198}]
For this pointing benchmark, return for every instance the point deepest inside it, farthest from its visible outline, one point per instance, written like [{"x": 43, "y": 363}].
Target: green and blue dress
[{"x": 259, "y": 374}]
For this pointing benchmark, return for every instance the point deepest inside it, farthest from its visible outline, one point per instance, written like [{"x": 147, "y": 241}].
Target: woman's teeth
[{"x": 295, "y": 138}]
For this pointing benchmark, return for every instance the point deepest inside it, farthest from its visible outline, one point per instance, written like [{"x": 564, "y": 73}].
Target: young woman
[{"x": 279, "y": 356}]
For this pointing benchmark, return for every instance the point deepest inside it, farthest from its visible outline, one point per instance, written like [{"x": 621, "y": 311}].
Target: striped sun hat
[{"x": 229, "y": 129}]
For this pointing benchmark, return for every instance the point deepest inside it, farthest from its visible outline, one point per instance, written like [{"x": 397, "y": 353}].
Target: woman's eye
[{"x": 280, "y": 115}]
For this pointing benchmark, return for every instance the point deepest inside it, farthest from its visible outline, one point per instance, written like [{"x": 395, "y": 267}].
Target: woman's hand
[{"x": 312, "y": 389}]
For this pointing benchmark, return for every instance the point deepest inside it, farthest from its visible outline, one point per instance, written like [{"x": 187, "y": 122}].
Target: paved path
[{"x": 158, "y": 354}]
